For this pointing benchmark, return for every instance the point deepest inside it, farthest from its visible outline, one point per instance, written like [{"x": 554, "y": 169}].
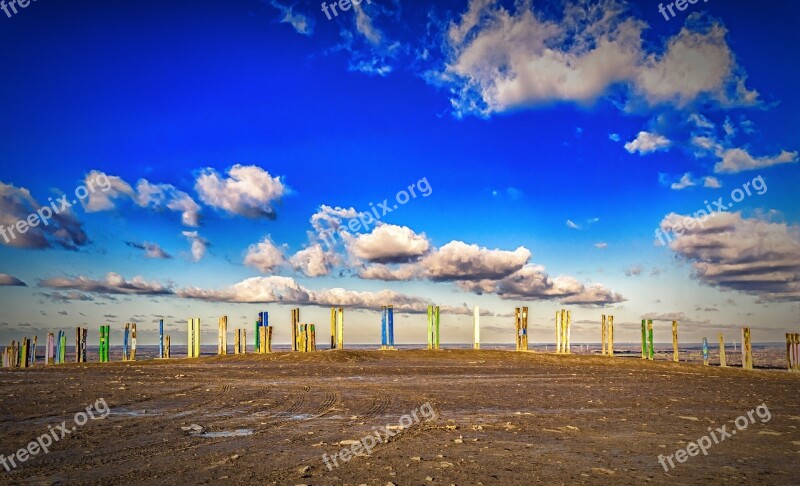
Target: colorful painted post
[
  {"x": 722, "y": 361},
  {"x": 126, "y": 337},
  {"x": 747, "y": 350},
  {"x": 611, "y": 335},
  {"x": 705, "y": 352},
  {"x": 644, "y": 339},
  {"x": 390, "y": 326},
  {"x": 133, "y": 341},
  {"x": 161, "y": 338},
  {"x": 193, "y": 341},
  {"x": 63, "y": 344},
  {"x": 521, "y": 326},
  {"x": 340, "y": 333},
  {"x": 77, "y": 344},
  {"x": 333, "y": 327},
  {"x": 222, "y": 336},
  {"x": 476, "y": 328},
  {"x": 433, "y": 327},
  {"x": 295, "y": 323},
  {"x": 651, "y": 350},
  {"x": 675, "y": 341},
  {"x": 603, "y": 333},
  {"x": 102, "y": 351}
]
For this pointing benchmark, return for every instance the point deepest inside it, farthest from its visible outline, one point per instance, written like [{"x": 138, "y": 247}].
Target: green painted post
[
  {"x": 644, "y": 339},
  {"x": 430, "y": 327},
  {"x": 651, "y": 351},
  {"x": 63, "y": 356},
  {"x": 436, "y": 333}
]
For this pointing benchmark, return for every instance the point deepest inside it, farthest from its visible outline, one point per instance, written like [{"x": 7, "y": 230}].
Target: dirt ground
[{"x": 501, "y": 418}]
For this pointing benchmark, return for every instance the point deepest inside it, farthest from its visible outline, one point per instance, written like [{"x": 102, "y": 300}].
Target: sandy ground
[{"x": 501, "y": 418}]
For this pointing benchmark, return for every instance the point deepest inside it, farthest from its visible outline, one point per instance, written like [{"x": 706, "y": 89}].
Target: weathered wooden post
[
  {"x": 796, "y": 341},
  {"x": 237, "y": 341},
  {"x": 49, "y": 351},
  {"x": 722, "y": 361},
  {"x": 222, "y": 336},
  {"x": 295, "y": 323},
  {"x": 126, "y": 337},
  {"x": 340, "y": 324},
  {"x": 567, "y": 337},
  {"x": 166, "y": 346},
  {"x": 705, "y": 352},
  {"x": 675, "y": 341},
  {"x": 193, "y": 341},
  {"x": 558, "y": 332},
  {"x": 793, "y": 352},
  {"x": 603, "y": 333},
  {"x": 133, "y": 341},
  {"x": 611, "y": 335},
  {"x": 77, "y": 344},
  {"x": 476, "y": 328},
  {"x": 747, "y": 349},
  {"x": 333, "y": 327}
]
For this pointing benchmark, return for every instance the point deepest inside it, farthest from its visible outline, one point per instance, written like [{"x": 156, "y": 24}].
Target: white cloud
[
  {"x": 388, "y": 243},
  {"x": 387, "y": 273},
  {"x": 313, "y": 261},
  {"x": 151, "y": 250},
  {"x": 736, "y": 160},
  {"x": 683, "y": 183},
  {"x": 114, "y": 283},
  {"x": 749, "y": 255},
  {"x": 264, "y": 256},
  {"x": 199, "y": 245},
  {"x": 100, "y": 199},
  {"x": 248, "y": 191},
  {"x": 711, "y": 182},
  {"x": 646, "y": 143},
  {"x": 160, "y": 196},
  {"x": 572, "y": 225},
  {"x": 601, "y": 245},
  {"x": 499, "y": 60},
  {"x": 459, "y": 261}
]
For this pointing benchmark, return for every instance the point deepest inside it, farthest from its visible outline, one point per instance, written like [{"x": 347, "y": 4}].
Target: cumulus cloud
[
  {"x": 711, "y": 182},
  {"x": 114, "y": 283},
  {"x": 459, "y": 261},
  {"x": 646, "y": 142},
  {"x": 500, "y": 60},
  {"x": 683, "y": 183},
  {"x": 533, "y": 282},
  {"x": 103, "y": 200},
  {"x": 248, "y": 191},
  {"x": 749, "y": 255},
  {"x": 199, "y": 244},
  {"x": 64, "y": 297},
  {"x": 388, "y": 243},
  {"x": 62, "y": 229},
  {"x": 7, "y": 280},
  {"x": 313, "y": 261},
  {"x": 151, "y": 250},
  {"x": 389, "y": 273},
  {"x": 264, "y": 256}
]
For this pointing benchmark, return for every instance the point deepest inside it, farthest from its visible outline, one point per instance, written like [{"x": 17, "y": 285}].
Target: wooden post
[
  {"x": 49, "y": 351},
  {"x": 796, "y": 341},
  {"x": 340, "y": 323},
  {"x": 476, "y": 328},
  {"x": 133, "y": 341},
  {"x": 705, "y": 352},
  {"x": 651, "y": 351},
  {"x": 644, "y": 339},
  {"x": 558, "y": 332},
  {"x": 789, "y": 349},
  {"x": 269, "y": 338},
  {"x": 236, "y": 341},
  {"x": 747, "y": 350},
  {"x": 430, "y": 327},
  {"x": 517, "y": 328},
  {"x": 675, "y": 341},
  {"x": 166, "y": 346},
  {"x": 222, "y": 336},
  {"x": 722, "y": 361},
  {"x": 569, "y": 332},
  {"x": 603, "y": 335},
  {"x": 295, "y": 320},
  {"x": 333, "y": 327},
  {"x": 77, "y": 344},
  {"x": 611, "y": 335},
  {"x": 435, "y": 327}
]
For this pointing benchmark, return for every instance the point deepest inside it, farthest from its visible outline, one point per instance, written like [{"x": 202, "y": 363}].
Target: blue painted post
[
  {"x": 383, "y": 327},
  {"x": 161, "y": 338},
  {"x": 390, "y": 325},
  {"x": 125, "y": 337},
  {"x": 705, "y": 351}
]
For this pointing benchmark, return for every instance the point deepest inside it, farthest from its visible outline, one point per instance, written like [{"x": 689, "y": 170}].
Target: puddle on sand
[{"x": 227, "y": 433}]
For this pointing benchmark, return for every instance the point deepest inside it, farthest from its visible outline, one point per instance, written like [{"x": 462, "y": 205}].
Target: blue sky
[{"x": 554, "y": 139}]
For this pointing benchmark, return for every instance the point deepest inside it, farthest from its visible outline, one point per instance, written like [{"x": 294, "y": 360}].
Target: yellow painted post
[
  {"x": 237, "y": 338},
  {"x": 340, "y": 323},
  {"x": 269, "y": 338},
  {"x": 558, "y": 332},
  {"x": 569, "y": 333},
  {"x": 517, "y": 326},
  {"x": 166, "y": 346},
  {"x": 611, "y": 335},
  {"x": 603, "y": 332},
  {"x": 722, "y": 361},
  {"x": 524, "y": 328},
  {"x": 333, "y": 327},
  {"x": 675, "y": 341},
  {"x": 262, "y": 339},
  {"x": 747, "y": 350},
  {"x": 222, "y": 338}
]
